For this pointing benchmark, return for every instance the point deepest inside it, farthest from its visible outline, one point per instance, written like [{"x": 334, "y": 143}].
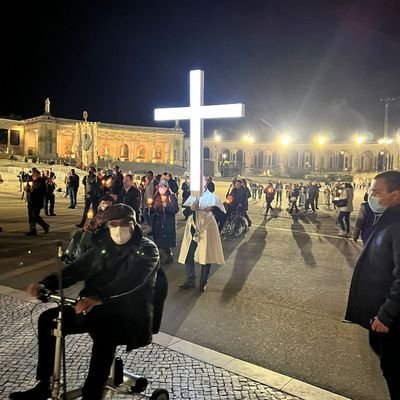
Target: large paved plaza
[{"x": 278, "y": 302}]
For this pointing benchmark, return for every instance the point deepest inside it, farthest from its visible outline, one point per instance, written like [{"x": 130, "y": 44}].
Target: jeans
[
  {"x": 72, "y": 197},
  {"x": 148, "y": 218},
  {"x": 344, "y": 215}
]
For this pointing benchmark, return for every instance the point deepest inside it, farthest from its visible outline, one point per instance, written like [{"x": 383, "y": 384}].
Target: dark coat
[
  {"x": 185, "y": 191},
  {"x": 132, "y": 197},
  {"x": 116, "y": 183},
  {"x": 173, "y": 186},
  {"x": 92, "y": 186},
  {"x": 375, "y": 287},
  {"x": 239, "y": 197},
  {"x": 164, "y": 221},
  {"x": 123, "y": 277},
  {"x": 37, "y": 193},
  {"x": 73, "y": 182}
]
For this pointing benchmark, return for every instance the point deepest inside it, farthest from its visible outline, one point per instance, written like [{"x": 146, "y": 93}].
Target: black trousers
[
  {"x": 35, "y": 218},
  {"x": 269, "y": 207},
  {"x": 190, "y": 267},
  {"x": 103, "y": 349},
  {"x": 387, "y": 347},
  {"x": 293, "y": 205}
]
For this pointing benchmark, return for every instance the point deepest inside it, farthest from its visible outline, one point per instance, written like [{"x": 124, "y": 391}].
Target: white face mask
[
  {"x": 120, "y": 234},
  {"x": 375, "y": 205}
]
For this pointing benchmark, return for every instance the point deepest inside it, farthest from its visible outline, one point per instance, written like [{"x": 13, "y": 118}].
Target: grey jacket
[{"x": 375, "y": 286}]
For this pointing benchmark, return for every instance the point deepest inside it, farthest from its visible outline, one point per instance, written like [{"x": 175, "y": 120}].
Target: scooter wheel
[
  {"x": 140, "y": 385},
  {"x": 160, "y": 394}
]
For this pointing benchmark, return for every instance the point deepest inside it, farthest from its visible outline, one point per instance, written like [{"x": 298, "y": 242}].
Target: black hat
[
  {"x": 107, "y": 197},
  {"x": 120, "y": 211}
]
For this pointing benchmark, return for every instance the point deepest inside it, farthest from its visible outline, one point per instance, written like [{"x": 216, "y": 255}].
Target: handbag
[{"x": 341, "y": 203}]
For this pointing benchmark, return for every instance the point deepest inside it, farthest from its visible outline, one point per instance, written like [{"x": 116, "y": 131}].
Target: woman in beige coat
[{"x": 201, "y": 240}]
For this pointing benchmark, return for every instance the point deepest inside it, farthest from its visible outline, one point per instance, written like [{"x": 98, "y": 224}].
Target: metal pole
[
  {"x": 387, "y": 101},
  {"x": 57, "y": 332}
]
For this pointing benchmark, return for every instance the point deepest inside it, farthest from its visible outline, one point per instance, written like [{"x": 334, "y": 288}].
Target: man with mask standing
[
  {"x": 115, "y": 305},
  {"x": 374, "y": 298}
]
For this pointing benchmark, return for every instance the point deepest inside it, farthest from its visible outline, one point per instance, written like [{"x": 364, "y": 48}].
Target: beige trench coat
[{"x": 209, "y": 249}]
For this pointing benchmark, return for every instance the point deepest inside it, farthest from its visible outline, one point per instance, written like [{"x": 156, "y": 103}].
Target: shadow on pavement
[
  {"x": 303, "y": 240},
  {"x": 180, "y": 302},
  {"x": 248, "y": 255}
]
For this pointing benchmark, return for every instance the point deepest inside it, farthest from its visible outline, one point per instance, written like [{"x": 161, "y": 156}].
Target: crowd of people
[{"x": 108, "y": 238}]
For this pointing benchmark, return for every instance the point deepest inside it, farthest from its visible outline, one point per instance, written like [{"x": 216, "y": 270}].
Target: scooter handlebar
[{"x": 45, "y": 295}]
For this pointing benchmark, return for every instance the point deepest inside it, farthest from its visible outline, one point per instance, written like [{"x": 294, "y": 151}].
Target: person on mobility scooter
[{"x": 117, "y": 306}]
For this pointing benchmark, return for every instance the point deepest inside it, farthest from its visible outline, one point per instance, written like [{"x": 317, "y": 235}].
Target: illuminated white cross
[{"x": 197, "y": 113}]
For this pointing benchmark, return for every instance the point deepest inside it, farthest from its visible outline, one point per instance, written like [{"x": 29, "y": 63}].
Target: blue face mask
[{"x": 375, "y": 205}]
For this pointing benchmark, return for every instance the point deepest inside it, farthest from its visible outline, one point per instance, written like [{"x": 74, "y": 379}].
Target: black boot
[
  {"x": 170, "y": 257},
  {"x": 32, "y": 232},
  {"x": 40, "y": 392},
  {"x": 205, "y": 271}
]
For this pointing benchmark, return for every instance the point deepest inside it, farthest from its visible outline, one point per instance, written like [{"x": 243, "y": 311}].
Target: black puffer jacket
[{"x": 124, "y": 278}]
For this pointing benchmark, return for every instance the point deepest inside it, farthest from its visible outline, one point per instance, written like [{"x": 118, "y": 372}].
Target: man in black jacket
[
  {"x": 115, "y": 305},
  {"x": 93, "y": 194},
  {"x": 73, "y": 187},
  {"x": 374, "y": 299},
  {"x": 130, "y": 194},
  {"x": 36, "y": 191}
]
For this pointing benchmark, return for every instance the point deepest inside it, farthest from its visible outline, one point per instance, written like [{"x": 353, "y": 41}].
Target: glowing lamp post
[{"x": 197, "y": 112}]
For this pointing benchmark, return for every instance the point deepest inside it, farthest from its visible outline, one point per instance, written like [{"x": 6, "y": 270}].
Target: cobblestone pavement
[{"x": 184, "y": 377}]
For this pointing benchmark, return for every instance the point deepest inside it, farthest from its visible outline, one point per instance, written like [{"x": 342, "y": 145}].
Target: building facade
[
  {"x": 86, "y": 143},
  {"x": 234, "y": 157},
  {"x": 48, "y": 137}
]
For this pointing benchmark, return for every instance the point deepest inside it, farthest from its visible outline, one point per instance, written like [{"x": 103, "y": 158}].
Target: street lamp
[
  {"x": 387, "y": 101},
  {"x": 285, "y": 140},
  {"x": 359, "y": 139},
  {"x": 224, "y": 156},
  {"x": 217, "y": 139},
  {"x": 385, "y": 141},
  {"x": 320, "y": 140}
]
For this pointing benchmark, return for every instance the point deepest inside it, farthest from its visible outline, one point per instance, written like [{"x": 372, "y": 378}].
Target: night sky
[{"x": 300, "y": 66}]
